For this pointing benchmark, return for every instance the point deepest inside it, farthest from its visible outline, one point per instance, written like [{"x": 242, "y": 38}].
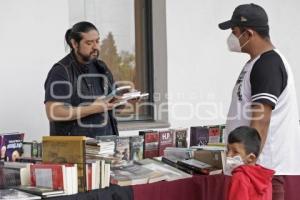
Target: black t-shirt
[
  {"x": 58, "y": 88},
  {"x": 268, "y": 78}
]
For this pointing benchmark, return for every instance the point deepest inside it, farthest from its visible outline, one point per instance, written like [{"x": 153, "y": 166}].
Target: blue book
[{"x": 11, "y": 146}]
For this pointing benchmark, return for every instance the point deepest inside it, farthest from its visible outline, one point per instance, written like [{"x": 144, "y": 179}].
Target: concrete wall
[{"x": 201, "y": 71}]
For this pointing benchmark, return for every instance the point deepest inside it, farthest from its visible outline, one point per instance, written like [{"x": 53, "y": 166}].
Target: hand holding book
[
  {"x": 124, "y": 95},
  {"x": 130, "y": 97},
  {"x": 120, "y": 96}
]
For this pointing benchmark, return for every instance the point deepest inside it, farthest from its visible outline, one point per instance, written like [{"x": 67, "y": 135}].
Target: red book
[
  {"x": 89, "y": 175},
  {"x": 151, "y": 139},
  {"x": 214, "y": 134},
  {"x": 48, "y": 176},
  {"x": 166, "y": 139}
]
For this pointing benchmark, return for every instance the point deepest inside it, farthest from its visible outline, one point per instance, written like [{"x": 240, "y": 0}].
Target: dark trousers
[{"x": 278, "y": 187}]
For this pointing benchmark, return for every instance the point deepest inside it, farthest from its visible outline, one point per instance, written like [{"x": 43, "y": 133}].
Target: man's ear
[{"x": 74, "y": 44}]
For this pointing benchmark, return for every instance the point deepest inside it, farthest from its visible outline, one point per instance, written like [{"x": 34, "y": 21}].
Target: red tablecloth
[
  {"x": 201, "y": 188},
  {"x": 292, "y": 187}
]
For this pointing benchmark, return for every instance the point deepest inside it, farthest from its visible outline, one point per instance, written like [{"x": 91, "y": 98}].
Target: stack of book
[
  {"x": 170, "y": 173},
  {"x": 67, "y": 149},
  {"x": 14, "y": 174},
  {"x": 59, "y": 177},
  {"x": 133, "y": 174},
  {"x": 97, "y": 174},
  {"x": 106, "y": 149},
  {"x": 115, "y": 149},
  {"x": 106, "y": 145},
  {"x": 199, "y": 167},
  {"x": 92, "y": 171},
  {"x": 172, "y": 155},
  {"x": 214, "y": 156}
]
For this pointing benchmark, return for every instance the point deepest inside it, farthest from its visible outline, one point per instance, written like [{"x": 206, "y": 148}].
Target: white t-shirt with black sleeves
[{"x": 268, "y": 79}]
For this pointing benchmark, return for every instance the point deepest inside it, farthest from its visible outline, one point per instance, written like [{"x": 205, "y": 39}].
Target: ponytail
[
  {"x": 76, "y": 30},
  {"x": 68, "y": 37}
]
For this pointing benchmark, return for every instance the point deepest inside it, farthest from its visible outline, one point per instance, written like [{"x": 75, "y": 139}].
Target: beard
[{"x": 91, "y": 56}]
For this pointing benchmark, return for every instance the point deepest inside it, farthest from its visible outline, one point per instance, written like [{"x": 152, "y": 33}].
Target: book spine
[{"x": 82, "y": 184}]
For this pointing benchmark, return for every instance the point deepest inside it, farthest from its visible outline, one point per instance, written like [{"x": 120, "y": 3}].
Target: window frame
[{"x": 156, "y": 22}]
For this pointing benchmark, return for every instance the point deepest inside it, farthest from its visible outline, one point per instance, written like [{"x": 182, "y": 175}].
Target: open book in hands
[
  {"x": 134, "y": 95},
  {"x": 121, "y": 95}
]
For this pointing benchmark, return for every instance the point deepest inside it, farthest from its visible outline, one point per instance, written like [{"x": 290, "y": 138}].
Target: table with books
[
  {"x": 195, "y": 188},
  {"x": 145, "y": 167},
  {"x": 114, "y": 192},
  {"x": 203, "y": 187}
]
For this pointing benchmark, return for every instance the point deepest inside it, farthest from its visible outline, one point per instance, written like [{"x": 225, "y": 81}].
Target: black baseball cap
[{"x": 247, "y": 15}]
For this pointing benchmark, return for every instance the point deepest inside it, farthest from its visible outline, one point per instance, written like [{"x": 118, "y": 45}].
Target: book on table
[
  {"x": 40, "y": 191},
  {"x": 134, "y": 174},
  {"x": 170, "y": 172},
  {"x": 151, "y": 140},
  {"x": 136, "y": 147},
  {"x": 67, "y": 149},
  {"x": 13, "y": 194},
  {"x": 199, "y": 167},
  {"x": 11, "y": 145},
  {"x": 180, "y": 135},
  {"x": 166, "y": 139}
]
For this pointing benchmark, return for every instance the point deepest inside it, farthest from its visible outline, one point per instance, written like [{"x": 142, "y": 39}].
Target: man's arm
[
  {"x": 261, "y": 116},
  {"x": 268, "y": 79},
  {"x": 58, "y": 111}
]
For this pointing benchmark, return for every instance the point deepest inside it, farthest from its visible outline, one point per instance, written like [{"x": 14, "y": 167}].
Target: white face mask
[
  {"x": 232, "y": 163},
  {"x": 233, "y": 43}
]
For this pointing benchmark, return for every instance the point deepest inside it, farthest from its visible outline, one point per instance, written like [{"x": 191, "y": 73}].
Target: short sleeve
[
  {"x": 57, "y": 85},
  {"x": 268, "y": 79}
]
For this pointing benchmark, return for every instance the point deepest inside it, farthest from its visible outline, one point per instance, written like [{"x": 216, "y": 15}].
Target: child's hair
[{"x": 247, "y": 136}]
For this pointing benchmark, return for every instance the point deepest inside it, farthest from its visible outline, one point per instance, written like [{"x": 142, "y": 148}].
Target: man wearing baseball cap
[{"x": 264, "y": 96}]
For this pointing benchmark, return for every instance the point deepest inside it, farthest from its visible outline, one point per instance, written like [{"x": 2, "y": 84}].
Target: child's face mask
[
  {"x": 237, "y": 156},
  {"x": 232, "y": 163}
]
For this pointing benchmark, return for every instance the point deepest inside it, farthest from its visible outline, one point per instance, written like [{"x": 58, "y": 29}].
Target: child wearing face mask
[{"x": 249, "y": 180}]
